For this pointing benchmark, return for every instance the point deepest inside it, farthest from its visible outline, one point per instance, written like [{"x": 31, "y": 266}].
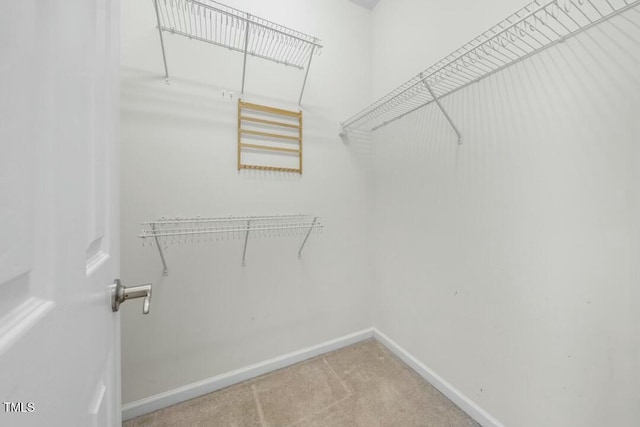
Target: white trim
[
  {"x": 463, "y": 402},
  {"x": 190, "y": 391}
]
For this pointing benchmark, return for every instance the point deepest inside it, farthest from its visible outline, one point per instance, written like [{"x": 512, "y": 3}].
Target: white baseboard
[
  {"x": 463, "y": 402},
  {"x": 190, "y": 391}
]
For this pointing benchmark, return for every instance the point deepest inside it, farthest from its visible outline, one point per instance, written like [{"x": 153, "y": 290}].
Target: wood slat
[
  {"x": 239, "y": 123},
  {"x": 267, "y": 147},
  {"x": 300, "y": 135},
  {"x": 269, "y": 122},
  {"x": 270, "y": 168},
  {"x": 270, "y": 135},
  {"x": 272, "y": 110}
]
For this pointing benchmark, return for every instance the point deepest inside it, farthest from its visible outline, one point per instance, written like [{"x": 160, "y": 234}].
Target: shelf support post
[
  {"x": 246, "y": 47},
  {"x": 165, "y": 272},
  {"x": 164, "y": 56},
  {"x": 306, "y": 237},
  {"x": 246, "y": 239},
  {"x": 306, "y": 74},
  {"x": 437, "y": 101}
]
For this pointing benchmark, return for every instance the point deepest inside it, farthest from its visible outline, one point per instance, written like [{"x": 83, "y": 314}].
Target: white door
[{"x": 59, "y": 246}]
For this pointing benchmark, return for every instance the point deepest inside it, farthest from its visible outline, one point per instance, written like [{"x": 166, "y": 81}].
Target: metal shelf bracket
[
  {"x": 446, "y": 115},
  {"x": 304, "y": 242},
  {"x": 164, "y": 55},
  {"x": 165, "y": 271},
  {"x": 246, "y": 239}
]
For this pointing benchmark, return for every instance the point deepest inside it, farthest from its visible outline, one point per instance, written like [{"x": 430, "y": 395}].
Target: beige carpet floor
[{"x": 360, "y": 385}]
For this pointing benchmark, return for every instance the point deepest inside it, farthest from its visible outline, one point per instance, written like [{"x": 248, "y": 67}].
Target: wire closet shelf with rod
[
  {"x": 537, "y": 26},
  {"x": 165, "y": 232},
  {"x": 221, "y": 25}
]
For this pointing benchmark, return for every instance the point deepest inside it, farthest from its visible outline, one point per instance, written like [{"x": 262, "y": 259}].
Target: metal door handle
[{"x": 122, "y": 293}]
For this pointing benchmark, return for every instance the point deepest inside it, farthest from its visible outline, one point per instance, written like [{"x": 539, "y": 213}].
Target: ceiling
[{"x": 369, "y": 4}]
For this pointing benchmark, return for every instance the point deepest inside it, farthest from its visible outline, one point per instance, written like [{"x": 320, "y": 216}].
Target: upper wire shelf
[
  {"x": 225, "y": 26},
  {"x": 528, "y": 31},
  {"x": 166, "y": 232}
]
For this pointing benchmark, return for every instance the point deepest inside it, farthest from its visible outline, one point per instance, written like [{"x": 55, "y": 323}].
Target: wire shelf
[
  {"x": 528, "y": 31},
  {"x": 168, "y": 232},
  {"x": 225, "y": 26}
]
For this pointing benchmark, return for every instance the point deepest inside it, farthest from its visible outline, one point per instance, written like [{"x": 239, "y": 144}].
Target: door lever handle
[{"x": 122, "y": 293}]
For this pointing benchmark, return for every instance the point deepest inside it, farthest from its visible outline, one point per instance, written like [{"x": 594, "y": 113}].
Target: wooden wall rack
[{"x": 270, "y": 137}]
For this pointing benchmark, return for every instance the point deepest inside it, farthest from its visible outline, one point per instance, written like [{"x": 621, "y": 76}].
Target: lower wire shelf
[{"x": 164, "y": 231}]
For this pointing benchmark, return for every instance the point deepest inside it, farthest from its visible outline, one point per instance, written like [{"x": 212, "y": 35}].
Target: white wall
[
  {"x": 210, "y": 315},
  {"x": 508, "y": 264}
]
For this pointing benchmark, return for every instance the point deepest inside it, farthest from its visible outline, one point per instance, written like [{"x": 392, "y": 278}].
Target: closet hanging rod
[
  {"x": 233, "y": 13},
  {"x": 269, "y": 25},
  {"x": 189, "y": 232},
  {"x": 226, "y": 219},
  {"x": 221, "y": 25},
  {"x": 533, "y": 28},
  {"x": 241, "y": 50},
  {"x": 165, "y": 231}
]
